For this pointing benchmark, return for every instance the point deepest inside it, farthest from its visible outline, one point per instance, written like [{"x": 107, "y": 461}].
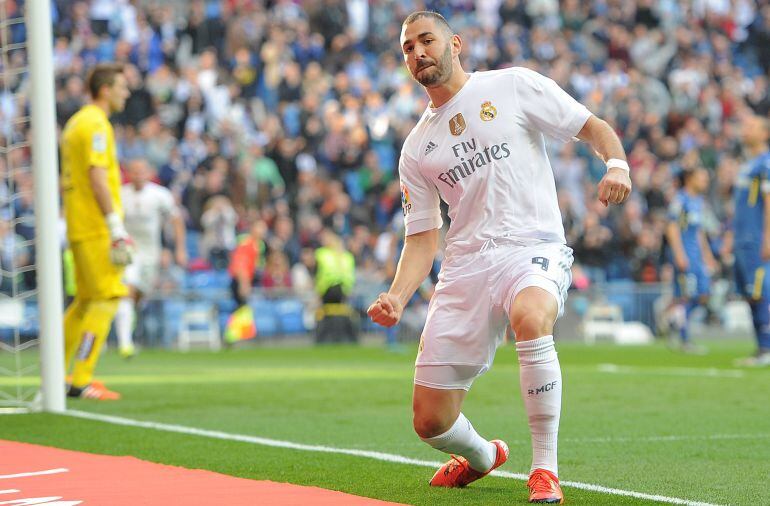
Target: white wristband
[
  {"x": 617, "y": 163},
  {"x": 115, "y": 224}
]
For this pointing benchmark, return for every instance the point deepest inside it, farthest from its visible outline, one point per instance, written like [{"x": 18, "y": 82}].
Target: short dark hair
[
  {"x": 685, "y": 174},
  {"x": 102, "y": 74},
  {"x": 435, "y": 16}
]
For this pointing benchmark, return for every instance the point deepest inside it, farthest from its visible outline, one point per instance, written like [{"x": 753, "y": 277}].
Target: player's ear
[{"x": 457, "y": 44}]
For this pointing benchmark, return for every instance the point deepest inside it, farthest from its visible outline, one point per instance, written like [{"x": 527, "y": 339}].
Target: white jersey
[
  {"x": 145, "y": 210},
  {"x": 483, "y": 152}
]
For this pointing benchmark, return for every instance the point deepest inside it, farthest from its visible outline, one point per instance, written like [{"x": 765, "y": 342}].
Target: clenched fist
[
  {"x": 386, "y": 310},
  {"x": 615, "y": 187}
]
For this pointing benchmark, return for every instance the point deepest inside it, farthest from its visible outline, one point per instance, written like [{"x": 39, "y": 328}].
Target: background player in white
[
  {"x": 147, "y": 207},
  {"x": 480, "y": 147}
]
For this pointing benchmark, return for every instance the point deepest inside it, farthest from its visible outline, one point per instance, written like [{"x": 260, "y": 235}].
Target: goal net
[{"x": 31, "y": 364}]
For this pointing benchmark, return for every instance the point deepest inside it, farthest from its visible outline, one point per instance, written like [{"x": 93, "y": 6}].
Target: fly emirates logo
[{"x": 470, "y": 157}]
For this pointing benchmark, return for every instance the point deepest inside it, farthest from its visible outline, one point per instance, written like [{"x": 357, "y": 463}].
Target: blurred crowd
[{"x": 293, "y": 113}]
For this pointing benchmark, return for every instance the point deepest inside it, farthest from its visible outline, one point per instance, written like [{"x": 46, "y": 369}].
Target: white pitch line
[
  {"x": 648, "y": 439},
  {"x": 34, "y": 473},
  {"x": 671, "y": 371},
  {"x": 387, "y": 457},
  {"x": 653, "y": 439},
  {"x": 10, "y": 491}
]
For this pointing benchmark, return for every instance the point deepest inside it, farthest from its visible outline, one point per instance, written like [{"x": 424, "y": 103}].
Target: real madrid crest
[
  {"x": 488, "y": 111},
  {"x": 457, "y": 124}
]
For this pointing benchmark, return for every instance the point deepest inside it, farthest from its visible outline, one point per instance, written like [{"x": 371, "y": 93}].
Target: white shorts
[
  {"x": 142, "y": 274},
  {"x": 468, "y": 313},
  {"x": 447, "y": 377}
]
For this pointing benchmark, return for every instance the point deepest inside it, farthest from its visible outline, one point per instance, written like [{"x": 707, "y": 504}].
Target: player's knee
[
  {"x": 429, "y": 424},
  {"x": 532, "y": 323}
]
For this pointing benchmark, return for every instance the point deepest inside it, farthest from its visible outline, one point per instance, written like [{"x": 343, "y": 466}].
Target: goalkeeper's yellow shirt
[{"x": 88, "y": 141}]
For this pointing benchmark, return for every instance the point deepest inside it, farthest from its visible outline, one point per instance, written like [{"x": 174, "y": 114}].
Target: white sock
[
  {"x": 124, "y": 323},
  {"x": 540, "y": 375},
  {"x": 462, "y": 439}
]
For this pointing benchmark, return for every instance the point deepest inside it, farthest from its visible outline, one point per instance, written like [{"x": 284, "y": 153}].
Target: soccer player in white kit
[
  {"x": 480, "y": 147},
  {"x": 147, "y": 205}
]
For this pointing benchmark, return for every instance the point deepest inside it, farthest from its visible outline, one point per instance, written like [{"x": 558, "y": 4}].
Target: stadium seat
[
  {"x": 265, "y": 317},
  {"x": 601, "y": 321},
  {"x": 199, "y": 280},
  {"x": 193, "y": 243},
  {"x": 266, "y": 324},
  {"x": 290, "y": 315},
  {"x": 606, "y": 321},
  {"x": 220, "y": 279},
  {"x": 634, "y": 333},
  {"x": 172, "y": 313},
  {"x": 227, "y": 305},
  {"x": 199, "y": 325}
]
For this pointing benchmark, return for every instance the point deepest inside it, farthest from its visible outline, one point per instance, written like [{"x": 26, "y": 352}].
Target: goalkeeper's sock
[
  {"x": 97, "y": 320},
  {"x": 124, "y": 323},
  {"x": 73, "y": 319},
  {"x": 540, "y": 375}
]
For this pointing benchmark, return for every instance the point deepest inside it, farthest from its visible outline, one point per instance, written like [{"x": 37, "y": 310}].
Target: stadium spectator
[
  {"x": 218, "y": 222},
  {"x": 276, "y": 273},
  {"x": 335, "y": 269},
  {"x": 246, "y": 262},
  {"x": 284, "y": 240}
]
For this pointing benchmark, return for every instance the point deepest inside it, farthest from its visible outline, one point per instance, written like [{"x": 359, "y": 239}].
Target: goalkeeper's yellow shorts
[{"x": 96, "y": 276}]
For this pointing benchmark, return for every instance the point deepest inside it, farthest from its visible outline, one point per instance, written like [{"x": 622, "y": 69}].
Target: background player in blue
[
  {"x": 751, "y": 232},
  {"x": 691, "y": 253}
]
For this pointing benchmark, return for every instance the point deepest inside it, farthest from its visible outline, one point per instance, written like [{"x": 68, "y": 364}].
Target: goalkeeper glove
[{"x": 121, "y": 245}]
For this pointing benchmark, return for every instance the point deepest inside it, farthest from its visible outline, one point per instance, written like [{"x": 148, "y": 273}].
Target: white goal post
[{"x": 46, "y": 177}]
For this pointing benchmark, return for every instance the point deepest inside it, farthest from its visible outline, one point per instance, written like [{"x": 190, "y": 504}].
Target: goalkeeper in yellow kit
[{"x": 99, "y": 242}]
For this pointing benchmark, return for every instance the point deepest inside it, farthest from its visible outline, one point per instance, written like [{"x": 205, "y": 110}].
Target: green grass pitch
[{"x": 641, "y": 419}]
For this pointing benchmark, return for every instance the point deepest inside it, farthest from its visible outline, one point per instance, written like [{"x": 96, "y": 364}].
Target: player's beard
[{"x": 438, "y": 73}]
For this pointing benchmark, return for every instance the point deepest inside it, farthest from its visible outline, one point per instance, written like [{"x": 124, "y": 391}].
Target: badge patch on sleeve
[
  {"x": 406, "y": 203},
  {"x": 99, "y": 142}
]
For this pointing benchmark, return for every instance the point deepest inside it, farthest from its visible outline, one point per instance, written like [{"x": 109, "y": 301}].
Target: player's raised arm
[
  {"x": 413, "y": 267},
  {"x": 615, "y": 186}
]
